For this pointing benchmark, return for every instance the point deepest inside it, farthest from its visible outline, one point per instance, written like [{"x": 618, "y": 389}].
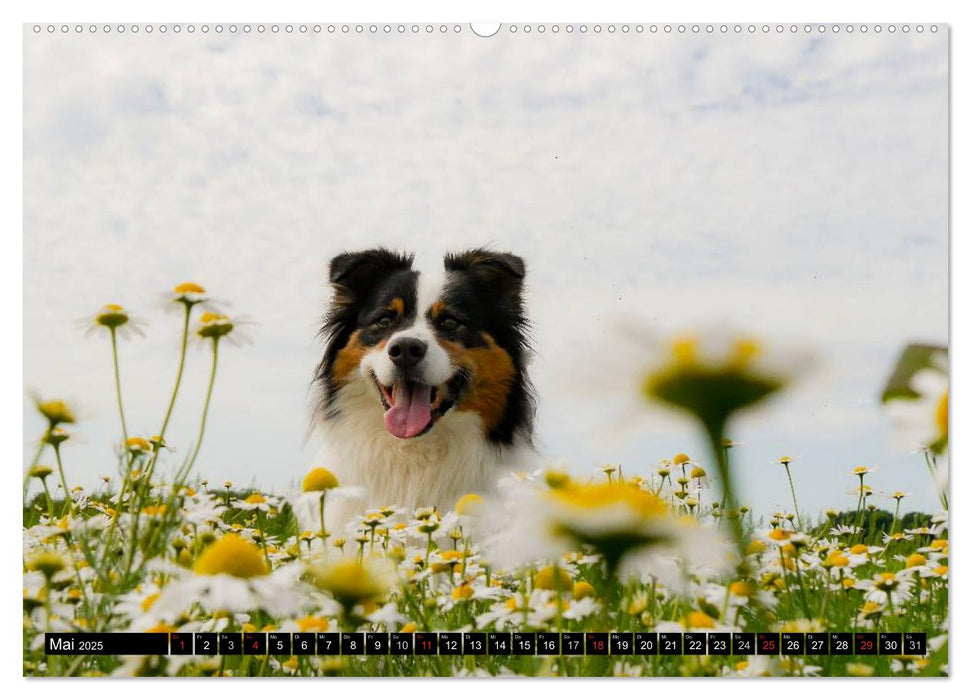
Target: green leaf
[{"x": 914, "y": 358}]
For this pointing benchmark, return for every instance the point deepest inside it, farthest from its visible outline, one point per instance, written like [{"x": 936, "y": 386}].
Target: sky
[{"x": 786, "y": 185}]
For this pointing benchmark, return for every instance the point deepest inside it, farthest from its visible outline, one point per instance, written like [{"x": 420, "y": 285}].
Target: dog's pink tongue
[{"x": 411, "y": 411}]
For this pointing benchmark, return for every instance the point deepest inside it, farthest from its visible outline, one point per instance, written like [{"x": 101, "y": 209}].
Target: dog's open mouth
[{"x": 411, "y": 408}]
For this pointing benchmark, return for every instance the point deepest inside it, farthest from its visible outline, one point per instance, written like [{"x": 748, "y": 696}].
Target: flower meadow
[{"x": 662, "y": 546}]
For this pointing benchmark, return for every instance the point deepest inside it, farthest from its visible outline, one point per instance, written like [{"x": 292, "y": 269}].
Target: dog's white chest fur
[{"x": 436, "y": 469}]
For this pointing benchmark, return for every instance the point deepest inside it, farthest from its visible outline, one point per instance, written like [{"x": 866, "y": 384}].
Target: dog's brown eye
[
  {"x": 449, "y": 324},
  {"x": 383, "y": 322}
]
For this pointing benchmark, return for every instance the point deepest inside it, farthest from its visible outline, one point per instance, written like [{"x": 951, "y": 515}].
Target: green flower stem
[
  {"x": 323, "y": 529},
  {"x": 178, "y": 374},
  {"x": 795, "y": 504},
  {"x": 60, "y": 470},
  {"x": 77, "y": 573},
  {"x": 121, "y": 409},
  {"x": 205, "y": 407},
  {"x": 175, "y": 392},
  {"x": 266, "y": 554},
  {"x": 715, "y": 430},
  {"x": 896, "y": 512},
  {"x": 133, "y": 535},
  {"x": 114, "y": 519},
  {"x": 932, "y": 468},
  {"x": 50, "y": 501},
  {"x": 33, "y": 463},
  {"x": 859, "y": 508}
]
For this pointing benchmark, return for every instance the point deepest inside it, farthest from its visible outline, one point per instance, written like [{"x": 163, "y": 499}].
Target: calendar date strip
[{"x": 487, "y": 643}]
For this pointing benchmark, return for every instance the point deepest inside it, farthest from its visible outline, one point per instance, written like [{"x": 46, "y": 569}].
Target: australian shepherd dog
[{"x": 424, "y": 394}]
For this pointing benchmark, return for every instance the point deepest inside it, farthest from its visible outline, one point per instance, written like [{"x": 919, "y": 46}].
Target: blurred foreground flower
[
  {"x": 231, "y": 575},
  {"x": 711, "y": 377},
  {"x": 352, "y": 582},
  {"x": 55, "y": 411},
  {"x": 633, "y": 530},
  {"x": 916, "y": 396}
]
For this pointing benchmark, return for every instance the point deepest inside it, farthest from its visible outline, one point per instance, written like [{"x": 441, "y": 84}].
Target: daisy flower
[
  {"x": 114, "y": 319},
  {"x": 216, "y": 327},
  {"x": 633, "y": 530},
  {"x": 188, "y": 294},
  {"x": 920, "y": 410},
  {"x": 887, "y": 587},
  {"x": 231, "y": 575},
  {"x": 350, "y": 581},
  {"x": 55, "y": 411},
  {"x": 255, "y": 501}
]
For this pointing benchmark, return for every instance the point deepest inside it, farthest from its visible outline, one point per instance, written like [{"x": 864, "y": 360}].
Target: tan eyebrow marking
[
  {"x": 397, "y": 305},
  {"x": 437, "y": 308}
]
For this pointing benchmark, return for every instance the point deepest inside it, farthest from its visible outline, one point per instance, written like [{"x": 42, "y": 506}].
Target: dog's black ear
[
  {"x": 354, "y": 274},
  {"x": 500, "y": 271}
]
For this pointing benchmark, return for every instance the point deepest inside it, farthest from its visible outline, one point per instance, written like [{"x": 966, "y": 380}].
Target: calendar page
[{"x": 481, "y": 350}]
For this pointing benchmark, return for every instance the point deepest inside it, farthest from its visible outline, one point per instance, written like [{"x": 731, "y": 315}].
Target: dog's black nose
[{"x": 407, "y": 352}]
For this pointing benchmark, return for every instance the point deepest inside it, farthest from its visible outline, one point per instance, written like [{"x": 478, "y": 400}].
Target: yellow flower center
[
  {"x": 348, "y": 581},
  {"x": 161, "y": 627},
  {"x": 598, "y": 496},
  {"x": 550, "y": 579},
  {"x": 255, "y": 498},
  {"x": 138, "y": 444},
  {"x": 916, "y": 559},
  {"x": 681, "y": 458},
  {"x": 189, "y": 288},
  {"x": 463, "y": 592},
  {"x": 684, "y": 350},
  {"x": 697, "y": 619},
  {"x": 313, "y": 624},
  {"x": 940, "y": 416},
  {"x": 582, "y": 589},
  {"x": 468, "y": 504},
  {"x": 886, "y": 581},
  {"x": 56, "y": 411},
  {"x": 859, "y": 549},
  {"x": 319, "y": 479},
  {"x": 744, "y": 351},
  {"x": 231, "y": 555},
  {"x": 837, "y": 559},
  {"x": 743, "y": 589}
]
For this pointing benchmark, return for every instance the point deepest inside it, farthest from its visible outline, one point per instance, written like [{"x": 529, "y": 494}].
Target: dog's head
[{"x": 423, "y": 347}]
